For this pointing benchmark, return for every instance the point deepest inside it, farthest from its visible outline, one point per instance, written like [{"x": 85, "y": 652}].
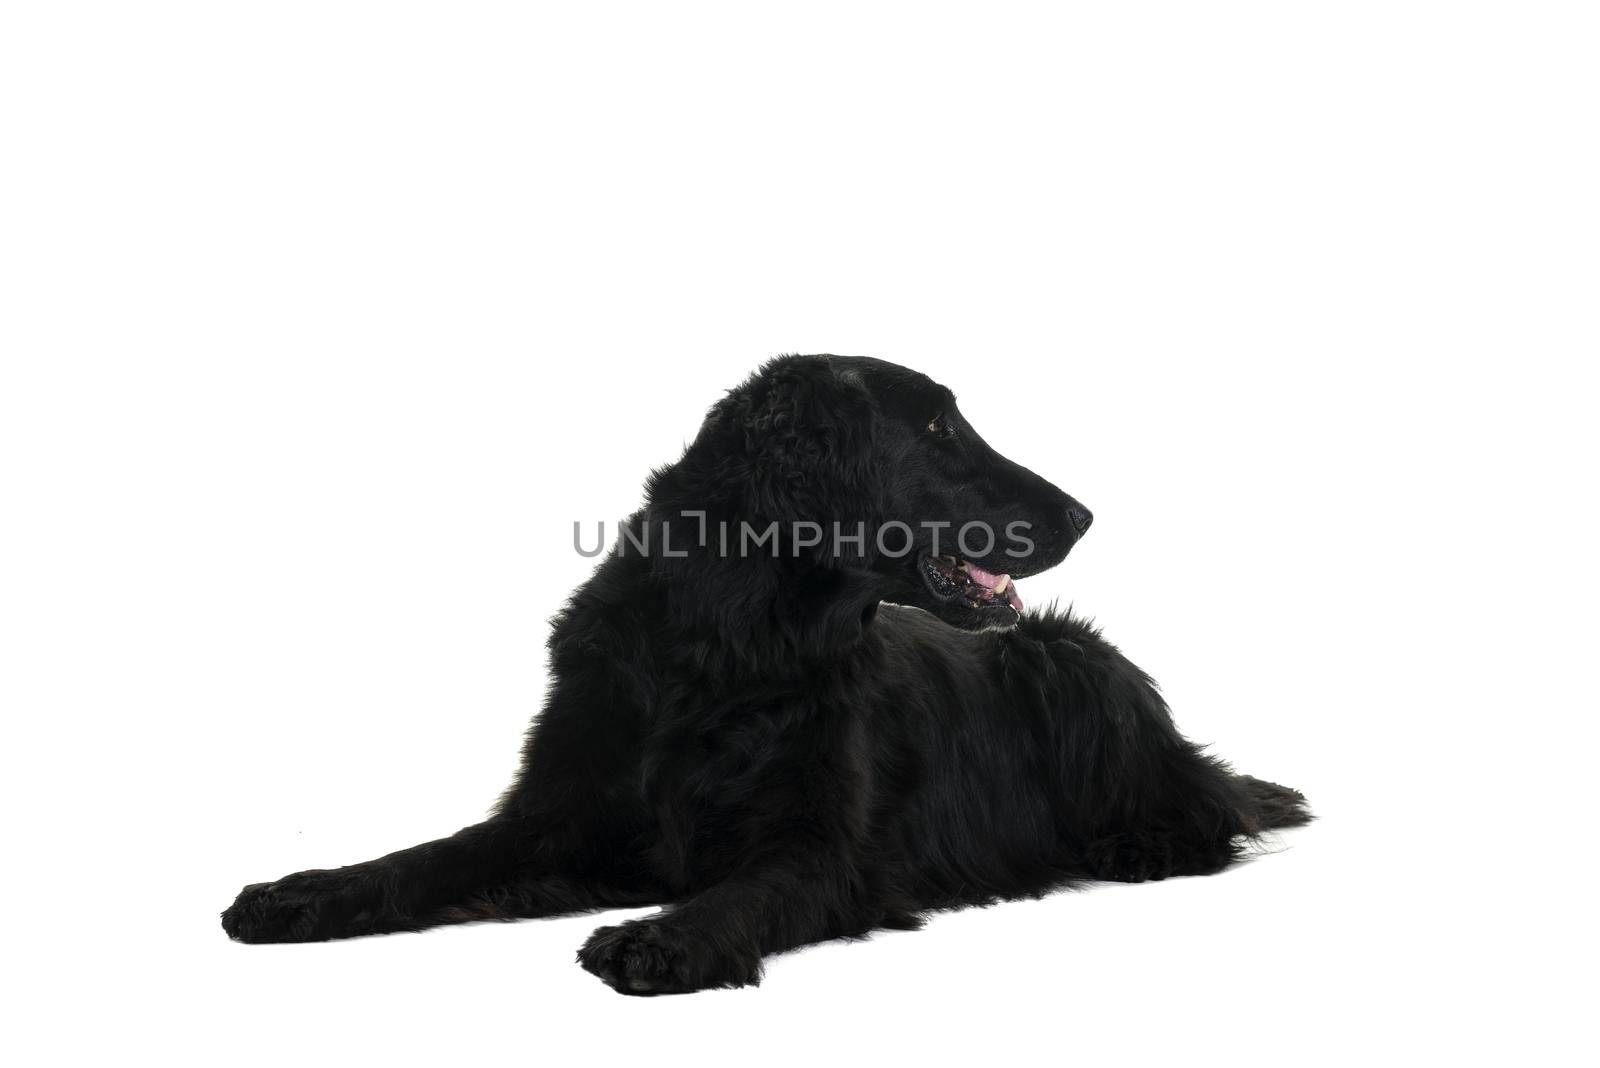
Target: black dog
[{"x": 756, "y": 740}]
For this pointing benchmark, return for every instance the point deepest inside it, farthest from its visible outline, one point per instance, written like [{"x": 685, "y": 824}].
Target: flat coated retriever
[{"x": 796, "y": 702}]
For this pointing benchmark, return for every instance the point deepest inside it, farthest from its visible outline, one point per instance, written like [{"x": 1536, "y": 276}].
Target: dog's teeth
[{"x": 1000, "y": 587}]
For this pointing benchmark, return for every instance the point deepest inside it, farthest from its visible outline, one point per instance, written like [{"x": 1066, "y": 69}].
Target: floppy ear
[
  {"x": 807, "y": 433},
  {"x": 793, "y": 444}
]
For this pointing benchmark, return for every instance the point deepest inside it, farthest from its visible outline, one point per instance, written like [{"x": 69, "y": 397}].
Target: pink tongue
[{"x": 980, "y": 575}]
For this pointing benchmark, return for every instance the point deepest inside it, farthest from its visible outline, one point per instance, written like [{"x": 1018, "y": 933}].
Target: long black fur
[{"x": 813, "y": 746}]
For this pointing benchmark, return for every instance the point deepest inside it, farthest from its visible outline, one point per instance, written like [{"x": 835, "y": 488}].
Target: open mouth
[{"x": 956, "y": 581}]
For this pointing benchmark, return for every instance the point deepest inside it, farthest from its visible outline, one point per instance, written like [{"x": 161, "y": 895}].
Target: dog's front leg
[
  {"x": 500, "y": 869},
  {"x": 718, "y": 937}
]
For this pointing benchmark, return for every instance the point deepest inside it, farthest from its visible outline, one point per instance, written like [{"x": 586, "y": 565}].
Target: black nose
[{"x": 1081, "y": 517}]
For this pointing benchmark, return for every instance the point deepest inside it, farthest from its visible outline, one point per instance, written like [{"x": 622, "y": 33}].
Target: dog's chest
[{"x": 730, "y": 776}]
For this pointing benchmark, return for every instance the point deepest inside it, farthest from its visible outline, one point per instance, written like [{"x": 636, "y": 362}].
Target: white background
[{"x": 322, "y": 322}]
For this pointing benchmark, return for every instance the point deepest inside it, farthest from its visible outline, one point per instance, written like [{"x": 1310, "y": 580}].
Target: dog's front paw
[
  {"x": 653, "y": 956},
  {"x": 309, "y": 906}
]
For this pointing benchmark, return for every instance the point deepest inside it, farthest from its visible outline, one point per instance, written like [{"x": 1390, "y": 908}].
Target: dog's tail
[{"x": 1273, "y": 806}]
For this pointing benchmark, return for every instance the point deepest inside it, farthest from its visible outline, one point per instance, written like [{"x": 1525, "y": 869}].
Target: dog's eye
[{"x": 939, "y": 427}]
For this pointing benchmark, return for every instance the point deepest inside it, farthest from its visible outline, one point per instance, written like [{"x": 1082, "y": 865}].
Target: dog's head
[
  {"x": 877, "y": 484},
  {"x": 977, "y": 521}
]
